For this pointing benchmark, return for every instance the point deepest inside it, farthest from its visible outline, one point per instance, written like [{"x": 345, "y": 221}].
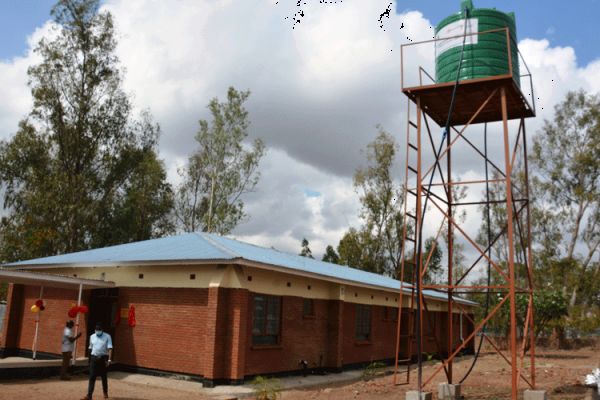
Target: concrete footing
[
  {"x": 535, "y": 395},
  {"x": 592, "y": 394},
  {"x": 414, "y": 395},
  {"x": 448, "y": 391}
]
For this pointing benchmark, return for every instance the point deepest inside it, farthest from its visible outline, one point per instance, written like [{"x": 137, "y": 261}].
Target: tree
[
  {"x": 138, "y": 209},
  {"x": 350, "y": 249},
  {"x": 76, "y": 155},
  {"x": 565, "y": 155},
  {"x": 221, "y": 171},
  {"x": 434, "y": 255},
  {"x": 330, "y": 255},
  {"x": 459, "y": 215},
  {"x": 377, "y": 246},
  {"x": 550, "y": 308},
  {"x": 305, "y": 251},
  {"x": 565, "y": 221}
]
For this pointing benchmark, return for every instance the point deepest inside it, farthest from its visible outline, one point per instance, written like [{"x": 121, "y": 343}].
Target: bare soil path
[{"x": 559, "y": 372}]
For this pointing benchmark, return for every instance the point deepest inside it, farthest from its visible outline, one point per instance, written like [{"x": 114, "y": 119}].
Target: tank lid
[{"x": 466, "y": 5}]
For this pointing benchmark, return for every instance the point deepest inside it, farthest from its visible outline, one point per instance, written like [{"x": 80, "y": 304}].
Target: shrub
[
  {"x": 372, "y": 370},
  {"x": 266, "y": 388}
]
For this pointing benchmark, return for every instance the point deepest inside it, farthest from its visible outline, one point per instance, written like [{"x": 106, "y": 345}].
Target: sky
[{"x": 320, "y": 84}]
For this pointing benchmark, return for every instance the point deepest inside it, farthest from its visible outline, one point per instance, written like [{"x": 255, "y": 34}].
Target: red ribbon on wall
[{"x": 131, "y": 319}]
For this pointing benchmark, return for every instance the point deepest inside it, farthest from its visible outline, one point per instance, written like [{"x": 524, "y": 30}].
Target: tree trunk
[{"x": 210, "y": 205}]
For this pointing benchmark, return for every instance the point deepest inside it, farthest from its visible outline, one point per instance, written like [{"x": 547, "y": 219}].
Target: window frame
[
  {"x": 360, "y": 336},
  {"x": 312, "y": 313},
  {"x": 263, "y": 333},
  {"x": 390, "y": 313}
]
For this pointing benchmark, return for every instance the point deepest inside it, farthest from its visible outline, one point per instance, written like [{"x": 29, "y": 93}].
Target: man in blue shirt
[{"x": 100, "y": 358}]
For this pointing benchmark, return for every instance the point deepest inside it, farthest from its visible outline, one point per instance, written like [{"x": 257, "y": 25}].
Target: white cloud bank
[{"x": 317, "y": 93}]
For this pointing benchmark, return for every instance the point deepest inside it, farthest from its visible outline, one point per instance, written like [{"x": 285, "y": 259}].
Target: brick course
[
  {"x": 171, "y": 329},
  {"x": 383, "y": 337},
  {"x": 208, "y": 332},
  {"x": 19, "y": 326},
  {"x": 301, "y": 339}
]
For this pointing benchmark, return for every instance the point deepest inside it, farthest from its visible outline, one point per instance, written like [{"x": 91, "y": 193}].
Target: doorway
[{"x": 103, "y": 309}]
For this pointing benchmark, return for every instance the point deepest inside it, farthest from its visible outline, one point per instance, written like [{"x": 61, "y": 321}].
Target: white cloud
[{"x": 317, "y": 93}]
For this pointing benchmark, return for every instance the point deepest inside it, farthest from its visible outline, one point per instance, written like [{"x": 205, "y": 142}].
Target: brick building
[{"x": 220, "y": 310}]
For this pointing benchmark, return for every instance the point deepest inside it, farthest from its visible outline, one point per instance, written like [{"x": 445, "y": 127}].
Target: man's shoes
[
  {"x": 86, "y": 398},
  {"x": 105, "y": 396}
]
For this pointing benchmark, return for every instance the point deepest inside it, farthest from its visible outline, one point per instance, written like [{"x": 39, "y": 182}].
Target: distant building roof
[{"x": 200, "y": 246}]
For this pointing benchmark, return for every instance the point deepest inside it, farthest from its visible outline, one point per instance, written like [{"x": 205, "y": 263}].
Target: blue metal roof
[{"x": 200, "y": 246}]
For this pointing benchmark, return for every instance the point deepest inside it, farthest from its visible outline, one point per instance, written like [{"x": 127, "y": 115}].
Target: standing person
[
  {"x": 100, "y": 358},
  {"x": 68, "y": 344}
]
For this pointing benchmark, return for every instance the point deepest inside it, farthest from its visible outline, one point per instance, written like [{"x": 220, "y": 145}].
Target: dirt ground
[{"x": 558, "y": 372}]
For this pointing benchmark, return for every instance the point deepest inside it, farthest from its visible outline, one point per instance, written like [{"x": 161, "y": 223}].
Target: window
[
  {"x": 266, "y": 320},
  {"x": 429, "y": 320},
  {"x": 363, "y": 322},
  {"x": 308, "y": 308},
  {"x": 390, "y": 314}
]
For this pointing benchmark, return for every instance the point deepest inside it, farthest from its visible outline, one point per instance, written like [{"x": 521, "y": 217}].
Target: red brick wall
[
  {"x": 52, "y": 320},
  {"x": 335, "y": 332},
  {"x": 301, "y": 339},
  {"x": 208, "y": 332},
  {"x": 383, "y": 336},
  {"x": 171, "y": 329},
  {"x": 332, "y": 334},
  {"x": 235, "y": 339}
]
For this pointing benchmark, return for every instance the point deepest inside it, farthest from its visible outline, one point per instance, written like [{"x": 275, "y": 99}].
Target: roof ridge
[{"x": 208, "y": 238}]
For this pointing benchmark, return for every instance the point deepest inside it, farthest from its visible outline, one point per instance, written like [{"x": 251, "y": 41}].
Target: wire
[{"x": 420, "y": 238}]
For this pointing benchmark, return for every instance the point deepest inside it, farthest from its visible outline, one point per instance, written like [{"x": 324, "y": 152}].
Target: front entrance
[{"x": 103, "y": 309}]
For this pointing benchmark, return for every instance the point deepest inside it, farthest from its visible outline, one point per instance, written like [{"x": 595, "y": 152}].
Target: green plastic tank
[{"x": 484, "y": 55}]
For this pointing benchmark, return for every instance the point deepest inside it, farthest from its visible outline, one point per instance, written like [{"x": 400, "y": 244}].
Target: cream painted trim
[
  {"x": 51, "y": 280},
  {"x": 264, "y": 280},
  {"x": 277, "y": 283},
  {"x": 341, "y": 281},
  {"x": 236, "y": 261}
]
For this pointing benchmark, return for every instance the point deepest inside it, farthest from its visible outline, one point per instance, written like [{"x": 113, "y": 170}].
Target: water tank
[{"x": 484, "y": 55}]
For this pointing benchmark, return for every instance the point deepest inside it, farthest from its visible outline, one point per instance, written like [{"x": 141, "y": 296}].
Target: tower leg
[{"x": 511, "y": 250}]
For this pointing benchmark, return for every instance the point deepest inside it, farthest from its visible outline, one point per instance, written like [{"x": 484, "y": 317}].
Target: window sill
[
  {"x": 266, "y": 347},
  {"x": 362, "y": 343}
]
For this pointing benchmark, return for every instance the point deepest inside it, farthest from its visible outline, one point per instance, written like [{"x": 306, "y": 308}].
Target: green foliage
[
  {"x": 565, "y": 155},
  {"x": 434, "y": 255},
  {"x": 459, "y": 214},
  {"x": 306, "y": 251},
  {"x": 565, "y": 222},
  {"x": 376, "y": 247},
  {"x": 74, "y": 165},
  {"x": 550, "y": 307},
  {"x": 266, "y": 388},
  {"x": 550, "y": 310},
  {"x": 221, "y": 170},
  {"x": 330, "y": 255},
  {"x": 350, "y": 248},
  {"x": 372, "y": 370}
]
